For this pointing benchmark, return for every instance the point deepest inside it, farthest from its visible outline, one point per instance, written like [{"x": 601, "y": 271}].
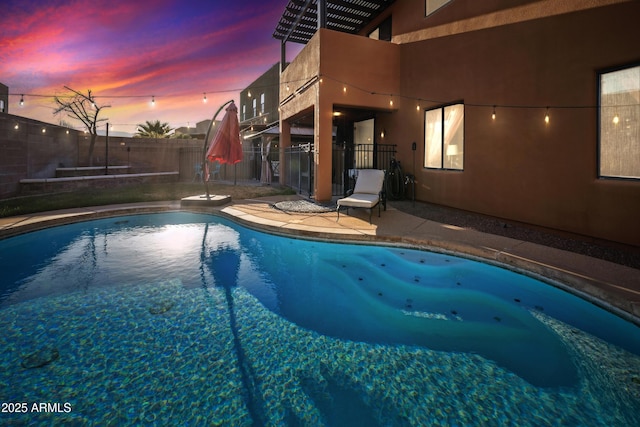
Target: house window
[
  {"x": 244, "y": 111},
  {"x": 262, "y": 103},
  {"x": 433, "y": 5},
  {"x": 444, "y": 137},
  {"x": 255, "y": 112},
  {"x": 620, "y": 123}
]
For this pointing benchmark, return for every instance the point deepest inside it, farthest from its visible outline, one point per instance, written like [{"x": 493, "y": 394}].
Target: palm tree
[{"x": 153, "y": 130}]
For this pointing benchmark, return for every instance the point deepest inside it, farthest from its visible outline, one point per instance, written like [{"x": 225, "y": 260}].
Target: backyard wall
[
  {"x": 28, "y": 152},
  {"x": 142, "y": 154}
]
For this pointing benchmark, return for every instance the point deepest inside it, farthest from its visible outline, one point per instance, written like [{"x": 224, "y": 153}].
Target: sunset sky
[{"x": 128, "y": 51}]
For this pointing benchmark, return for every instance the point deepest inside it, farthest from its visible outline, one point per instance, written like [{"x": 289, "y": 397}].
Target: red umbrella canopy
[{"x": 226, "y": 146}]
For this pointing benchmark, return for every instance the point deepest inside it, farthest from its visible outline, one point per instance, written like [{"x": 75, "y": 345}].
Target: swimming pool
[{"x": 192, "y": 319}]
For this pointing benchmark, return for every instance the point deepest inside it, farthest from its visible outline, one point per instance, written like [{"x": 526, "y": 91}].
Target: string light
[{"x": 419, "y": 107}]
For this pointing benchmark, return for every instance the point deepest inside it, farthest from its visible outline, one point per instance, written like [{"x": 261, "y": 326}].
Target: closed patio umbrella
[{"x": 226, "y": 146}]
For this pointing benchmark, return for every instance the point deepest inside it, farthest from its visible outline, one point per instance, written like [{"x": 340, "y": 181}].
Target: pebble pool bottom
[{"x": 190, "y": 319}]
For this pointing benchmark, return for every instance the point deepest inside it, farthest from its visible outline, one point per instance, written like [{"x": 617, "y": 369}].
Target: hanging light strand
[{"x": 420, "y": 102}]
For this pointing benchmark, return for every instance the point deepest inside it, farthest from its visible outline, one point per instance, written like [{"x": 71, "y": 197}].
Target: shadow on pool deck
[{"x": 549, "y": 255}]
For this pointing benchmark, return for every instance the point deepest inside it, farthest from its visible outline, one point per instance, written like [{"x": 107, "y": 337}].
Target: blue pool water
[{"x": 190, "y": 319}]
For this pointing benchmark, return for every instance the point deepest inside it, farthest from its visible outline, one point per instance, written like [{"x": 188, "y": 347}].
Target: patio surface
[{"x": 606, "y": 283}]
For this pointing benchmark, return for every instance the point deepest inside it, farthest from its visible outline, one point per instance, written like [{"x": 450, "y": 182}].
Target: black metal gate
[{"x": 363, "y": 156}]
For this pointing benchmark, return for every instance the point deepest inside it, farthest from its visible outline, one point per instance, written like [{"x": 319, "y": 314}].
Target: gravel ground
[{"x": 606, "y": 250}]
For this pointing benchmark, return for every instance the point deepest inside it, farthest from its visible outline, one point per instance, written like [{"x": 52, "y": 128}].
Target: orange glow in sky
[{"x": 128, "y": 51}]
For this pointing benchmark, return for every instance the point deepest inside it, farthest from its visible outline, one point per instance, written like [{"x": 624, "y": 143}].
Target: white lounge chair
[{"x": 368, "y": 192}]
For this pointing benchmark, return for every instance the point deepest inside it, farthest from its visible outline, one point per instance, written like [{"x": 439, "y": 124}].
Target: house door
[{"x": 363, "y": 144}]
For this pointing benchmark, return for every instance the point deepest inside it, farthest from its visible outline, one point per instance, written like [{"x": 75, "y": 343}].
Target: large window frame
[
  {"x": 619, "y": 123},
  {"x": 444, "y": 137}
]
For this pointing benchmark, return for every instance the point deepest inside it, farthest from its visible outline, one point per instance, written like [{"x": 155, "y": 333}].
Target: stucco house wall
[{"x": 520, "y": 56}]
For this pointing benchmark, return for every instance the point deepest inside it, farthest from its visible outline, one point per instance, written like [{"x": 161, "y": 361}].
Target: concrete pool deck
[{"x": 609, "y": 284}]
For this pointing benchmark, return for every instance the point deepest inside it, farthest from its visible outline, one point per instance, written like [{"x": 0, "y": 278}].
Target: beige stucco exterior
[{"x": 518, "y": 55}]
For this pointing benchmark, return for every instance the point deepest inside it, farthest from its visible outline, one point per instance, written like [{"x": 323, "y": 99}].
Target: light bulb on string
[
  {"x": 204, "y": 98},
  {"x": 153, "y": 100},
  {"x": 21, "y": 100}
]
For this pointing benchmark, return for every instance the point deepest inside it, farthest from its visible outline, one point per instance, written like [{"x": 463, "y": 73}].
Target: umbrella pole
[{"x": 204, "y": 149}]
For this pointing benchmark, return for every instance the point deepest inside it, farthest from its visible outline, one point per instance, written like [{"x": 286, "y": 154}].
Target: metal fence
[
  {"x": 296, "y": 166},
  {"x": 248, "y": 169}
]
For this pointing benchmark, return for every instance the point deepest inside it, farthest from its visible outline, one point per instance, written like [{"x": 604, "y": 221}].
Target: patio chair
[
  {"x": 197, "y": 170},
  {"x": 215, "y": 172},
  {"x": 368, "y": 192}
]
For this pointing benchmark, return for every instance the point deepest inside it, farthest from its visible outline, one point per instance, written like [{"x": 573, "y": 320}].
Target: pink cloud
[{"x": 122, "y": 50}]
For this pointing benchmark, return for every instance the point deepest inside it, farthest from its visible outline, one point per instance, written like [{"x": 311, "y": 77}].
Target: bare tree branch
[{"x": 84, "y": 108}]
